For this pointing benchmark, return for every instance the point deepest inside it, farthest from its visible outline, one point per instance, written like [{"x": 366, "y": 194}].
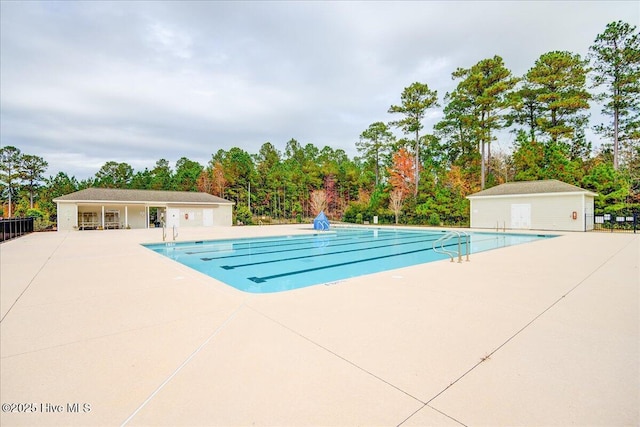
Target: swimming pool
[{"x": 281, "y": 263}]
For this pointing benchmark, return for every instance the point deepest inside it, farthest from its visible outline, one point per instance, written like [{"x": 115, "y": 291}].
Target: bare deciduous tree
[
  {"x": 396, "y": 199},
  {"x": 318, "y": 201},
  {"x": 205, "y": 182},
  {"x": 217, "y": 176}
]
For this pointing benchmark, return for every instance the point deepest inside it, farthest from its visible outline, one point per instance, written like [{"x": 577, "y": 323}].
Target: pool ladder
[
  {"x": 164, "y": 232},
  {"x": 461, "y": 236}
]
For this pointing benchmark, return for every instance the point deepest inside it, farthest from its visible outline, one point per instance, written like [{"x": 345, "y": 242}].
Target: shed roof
[
  {"x": 548, "y": 186},
  {"x": 117, "y": 195}
]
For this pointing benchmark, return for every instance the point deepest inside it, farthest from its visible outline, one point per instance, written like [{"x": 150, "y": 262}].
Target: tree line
[{"x": 420, "y": 177}]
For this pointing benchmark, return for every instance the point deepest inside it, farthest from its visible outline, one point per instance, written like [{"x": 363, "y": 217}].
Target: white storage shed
[
  {"x": 106, "y": 208},
  {"x": 535, "y": 205}
]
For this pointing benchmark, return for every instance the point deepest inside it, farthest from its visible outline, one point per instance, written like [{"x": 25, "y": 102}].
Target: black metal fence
[
  {"x": 620, "y": 223},
  {"x": 15, "y": 227}
]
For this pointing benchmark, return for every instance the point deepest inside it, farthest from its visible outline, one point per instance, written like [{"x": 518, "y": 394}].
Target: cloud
[
  {"x": 140, "y": 81},
  {"x": 166, "y": 40}
]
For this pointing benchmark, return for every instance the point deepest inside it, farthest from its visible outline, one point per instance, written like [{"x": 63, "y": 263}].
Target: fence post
[{"x": 15, "y": 227}]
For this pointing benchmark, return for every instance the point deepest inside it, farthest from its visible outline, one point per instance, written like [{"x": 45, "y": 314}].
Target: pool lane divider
[
  {"x": 268, "y": 242},
  {"x": 308, "y": 270},
  {"x": 231, "y": 267},
  {"x": 252, "y": 246},
  {"x": 309, "y": 247}
]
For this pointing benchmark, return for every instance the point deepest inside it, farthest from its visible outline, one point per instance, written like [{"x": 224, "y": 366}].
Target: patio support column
[
  {"x": 583, "y": 213},
  {"x": 102, "y": 217},
  {"x": 126, "y": 216}
]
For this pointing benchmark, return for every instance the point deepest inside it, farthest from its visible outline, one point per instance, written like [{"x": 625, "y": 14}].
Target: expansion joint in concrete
[
  {"x": 183, "y": 364},
  {"x": 352, "y": 363},
  {"x": 34, "y": 277}
]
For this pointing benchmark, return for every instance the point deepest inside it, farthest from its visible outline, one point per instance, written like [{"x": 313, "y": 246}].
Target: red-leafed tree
[
  {"x": 416, "y": 100},
  {"x": 331, "y": 193},
  {"x": 402, "y": 172},
  {"x": 205, "y": 183},
  {"x": 401, "y": 178},
  {"x": 219, "y": 181}
]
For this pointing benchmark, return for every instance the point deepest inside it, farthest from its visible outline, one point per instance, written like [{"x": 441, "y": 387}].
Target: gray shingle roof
[
  {"x": 140, "y": 196},
  {"x": 531, "y": 187}
]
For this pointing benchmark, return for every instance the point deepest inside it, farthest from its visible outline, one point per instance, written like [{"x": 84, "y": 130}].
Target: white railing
[
  {"x": 164, "y": 231},
  {"x": 439, "y": 246}
]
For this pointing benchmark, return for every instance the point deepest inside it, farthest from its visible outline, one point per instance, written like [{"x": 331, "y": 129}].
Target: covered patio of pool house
[{"x": 110, "y": 208}]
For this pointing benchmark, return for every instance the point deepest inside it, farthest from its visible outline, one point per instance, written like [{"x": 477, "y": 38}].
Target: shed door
[
  {"x": 521, "y": 215},
  {"x": 207, "y": 217},
  {"x": 173, "y": 217}
]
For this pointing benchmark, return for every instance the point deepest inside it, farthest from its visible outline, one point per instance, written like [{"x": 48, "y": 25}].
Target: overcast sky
[{"x": 83, "y": 83}]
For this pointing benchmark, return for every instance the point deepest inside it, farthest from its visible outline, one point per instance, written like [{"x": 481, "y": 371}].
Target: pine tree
[
  {"x": 483, "y": 90},
  {"x": 615, "y": 56},
  {"x": 416, "y": 100},
  {"x": 560, "y": 81},
  {"x": 375, "y": 142},
  {"x": 10, "y": 159},
  {"x": 32, "y": 170}
]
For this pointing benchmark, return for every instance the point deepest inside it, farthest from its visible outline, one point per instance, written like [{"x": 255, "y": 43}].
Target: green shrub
[
  {"x": 34, "y": 213},
  {"x": 355, "y": 213},
  {"x": 42, "y": 224},
  {"x": 243, "y": 215},
  {"x": 264, "y": 219},
  {"x": 434, "y": 219}
]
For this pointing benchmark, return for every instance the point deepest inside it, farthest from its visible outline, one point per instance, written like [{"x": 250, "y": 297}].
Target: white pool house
[
  {"x": 111, "y": 208},
  {"x": 533, "y": 205}
]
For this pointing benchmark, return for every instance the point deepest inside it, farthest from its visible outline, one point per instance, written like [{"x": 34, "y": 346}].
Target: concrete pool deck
[{"x": 544, "y": 333}]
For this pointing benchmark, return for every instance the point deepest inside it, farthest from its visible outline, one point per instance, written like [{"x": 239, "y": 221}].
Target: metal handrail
[
  {"x": 164, "y": 231},
  {"x": 441, "y": 241},
  {"x": 448, "y": 236}
]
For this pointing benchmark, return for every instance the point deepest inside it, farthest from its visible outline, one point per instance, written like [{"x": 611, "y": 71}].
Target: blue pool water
[{"x": 274, "y": 264}]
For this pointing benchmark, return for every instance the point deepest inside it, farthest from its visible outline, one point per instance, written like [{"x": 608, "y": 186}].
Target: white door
[
  {"x": 173, "y": 217},
  {"x": 521, "y": 216},
  {"x": 207, "y": 217}
]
